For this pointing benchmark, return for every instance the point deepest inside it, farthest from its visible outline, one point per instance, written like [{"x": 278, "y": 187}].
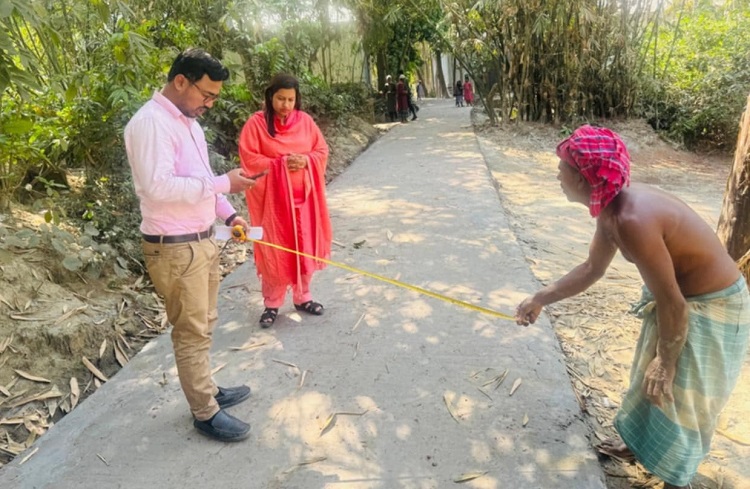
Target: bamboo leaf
[
  {"x": 33, "y": 378},
  {"x": 53, "y": 392},
  {"x": 75, "y": 392},
  {"x": 312, "y": 461},
  {"x": 740, "y": 440},
  {"x": 102, "y": 348},
  {"x": 450, "y": 408},
  {"x": 285, "y": 363},
  {"x": 469, "y": 476},
  {"x": 120, "y": 355},
  {"x": 516, "y": 385},
  {"x": 248, "y": 347},
  {"x": 328, "y": 425},
  {"x": 97, "y": 373}
]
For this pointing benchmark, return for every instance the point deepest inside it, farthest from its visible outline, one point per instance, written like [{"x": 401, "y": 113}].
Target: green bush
[{"x": 697, "y": 89}]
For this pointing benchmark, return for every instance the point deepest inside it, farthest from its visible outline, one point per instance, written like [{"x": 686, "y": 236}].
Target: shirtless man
[{"x": 695, "y": 306}]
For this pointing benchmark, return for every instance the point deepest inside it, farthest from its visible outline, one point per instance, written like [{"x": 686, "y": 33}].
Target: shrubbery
[{"x": 698, "y": 86}]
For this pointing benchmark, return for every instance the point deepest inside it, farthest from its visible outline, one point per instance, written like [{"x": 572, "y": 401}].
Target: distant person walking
[
  {"x": 389, "y": 92},
  {"x": 420, "y": 91},
  {"x": 289, "y": 202},
  {"x": 459, "y": 94},
  {"x": 413, "y": 108},
  {"x": 468, "y": 91},
  {"x": 403, "y": 98},
  {"x": 180, "y": 199}
]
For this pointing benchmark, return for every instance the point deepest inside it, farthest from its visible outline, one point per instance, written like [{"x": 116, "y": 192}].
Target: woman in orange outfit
[{"x": 289, "y": 202}]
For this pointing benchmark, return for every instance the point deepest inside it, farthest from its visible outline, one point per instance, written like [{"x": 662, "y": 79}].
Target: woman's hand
[{"x": 296, "y": 162}]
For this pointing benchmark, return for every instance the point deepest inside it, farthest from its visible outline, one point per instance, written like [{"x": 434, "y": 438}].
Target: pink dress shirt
[{"x": 168, "y": 155}]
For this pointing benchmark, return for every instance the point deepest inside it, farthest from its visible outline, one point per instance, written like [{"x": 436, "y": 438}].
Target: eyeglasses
[{"x": 207, "y": 96}]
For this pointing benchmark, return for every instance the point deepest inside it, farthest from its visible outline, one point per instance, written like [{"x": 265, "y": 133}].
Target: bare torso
[{"x": 701, "y": 264}]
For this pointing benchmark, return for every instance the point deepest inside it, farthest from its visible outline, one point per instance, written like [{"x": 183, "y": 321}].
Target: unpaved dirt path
[{"x": 596, "y": 333}]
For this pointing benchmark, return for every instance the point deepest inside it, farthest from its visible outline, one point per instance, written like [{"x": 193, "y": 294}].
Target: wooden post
[{"x": 734, "y": 223}]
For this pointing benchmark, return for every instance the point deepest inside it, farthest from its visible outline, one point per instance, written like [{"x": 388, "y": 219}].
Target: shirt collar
[{"x": 171, "y": 108}]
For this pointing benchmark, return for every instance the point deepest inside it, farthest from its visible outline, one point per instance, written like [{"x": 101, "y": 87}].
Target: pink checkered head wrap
[{"x": 601, "y": 157}]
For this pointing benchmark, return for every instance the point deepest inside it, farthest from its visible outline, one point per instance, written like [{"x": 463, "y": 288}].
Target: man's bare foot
[{"x": 615, "y": 448}]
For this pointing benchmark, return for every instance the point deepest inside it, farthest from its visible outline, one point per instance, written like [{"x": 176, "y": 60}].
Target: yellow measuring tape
[{"x": 240, "y": 235}]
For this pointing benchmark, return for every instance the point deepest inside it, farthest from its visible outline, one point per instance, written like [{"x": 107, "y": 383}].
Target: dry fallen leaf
[
  {"x": 285, "y": 363},
  {"x": 102, "y": 348},
  {"x": 218, "y": 367},
  {"x": 75, "y": 392},
  {"x": 450, "y": 408},
  {"x": 469, "y": 476},
  {"x": 33, "y": 378},
  {"x": 516, "y": 385},
  {"x": 248, "y": 347},
  {"x": 304, "y": 463},
  {"x": 331, "y": 421},
  {"x": 120, "y": 355},
  {"x": 4, "y": 343},
  {"x": 389, "y": 234},
  {"x": 53, "y": 392},
  {"x": 92, "y": 368},
  {"x": 312, "y": 461},
  {"x": 11, "y": 421},
  {"x": 525, "y": 420},
  {"x": 51, "y": 405},
  {"x": 124, "y": 342},
  {"x": 27, "y": 457},
  {"x": 328, "y": 424},
  {"x": 735, "y": 438},
  {"x": 359, "y": 321},
  {"x": 487, "y": 395},
  {"x": 302, "y": 379},
  {"x": 70, "y": 313}
]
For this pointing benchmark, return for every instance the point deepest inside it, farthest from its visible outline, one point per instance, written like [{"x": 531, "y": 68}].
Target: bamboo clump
[{"x": 558, "y": 61}]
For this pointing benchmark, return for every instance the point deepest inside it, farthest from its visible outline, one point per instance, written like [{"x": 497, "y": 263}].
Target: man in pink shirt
[{"x": 180, "y": 198}]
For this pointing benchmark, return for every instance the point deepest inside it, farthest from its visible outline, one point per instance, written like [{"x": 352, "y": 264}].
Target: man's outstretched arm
[{"x": 601, "y": 252}]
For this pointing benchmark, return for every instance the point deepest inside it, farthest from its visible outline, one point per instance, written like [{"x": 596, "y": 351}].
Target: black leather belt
[{"x": 180, "y": 238}]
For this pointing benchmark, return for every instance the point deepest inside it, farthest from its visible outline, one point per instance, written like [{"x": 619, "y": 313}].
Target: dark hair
[
  {"x": 278, "y": 82},
  {"x": 194, "y": 63}
]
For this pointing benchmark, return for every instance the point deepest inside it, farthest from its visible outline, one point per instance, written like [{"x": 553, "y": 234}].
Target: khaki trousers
[{"x": 187, "y": 276}]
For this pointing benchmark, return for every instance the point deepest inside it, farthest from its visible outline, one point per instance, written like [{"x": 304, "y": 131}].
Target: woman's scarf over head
[{"x": 601, "y": 157}]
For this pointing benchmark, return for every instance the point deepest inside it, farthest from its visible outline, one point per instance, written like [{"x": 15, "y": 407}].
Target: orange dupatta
[{"x": 304, "y": 227}]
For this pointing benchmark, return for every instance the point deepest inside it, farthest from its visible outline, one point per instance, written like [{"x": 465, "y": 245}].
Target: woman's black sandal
[
  {"x": 268, "y": 317},
  {"x": 310, "y": 307}
]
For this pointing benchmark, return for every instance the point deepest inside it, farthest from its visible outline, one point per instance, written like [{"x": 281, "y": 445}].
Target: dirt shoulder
[
  {"x": 63, "y": 334},
  {"x": 595, "y": 330}
]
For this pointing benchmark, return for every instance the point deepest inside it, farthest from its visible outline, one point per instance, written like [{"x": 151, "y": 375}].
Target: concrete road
[{"x": 389, "y": 389}]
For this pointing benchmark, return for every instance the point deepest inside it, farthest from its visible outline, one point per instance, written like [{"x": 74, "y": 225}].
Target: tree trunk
[
  {"x": 441, "y": 89},
  {"x": 734, "y": 222},
  {"x": 381, "y": 66},
  {"x": 366, "y": 77}
]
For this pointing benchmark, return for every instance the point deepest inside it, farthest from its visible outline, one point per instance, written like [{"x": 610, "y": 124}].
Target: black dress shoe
[
  {"x": 223, "y": 427},
  {"x": 231, "y": 396}
]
